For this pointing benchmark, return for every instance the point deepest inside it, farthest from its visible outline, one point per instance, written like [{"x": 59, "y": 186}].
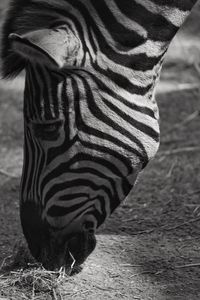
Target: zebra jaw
[
  {"x": 57, "y": 47},
  {"x": 68, "y": 255},
  {"x": 54, "y": 247}
]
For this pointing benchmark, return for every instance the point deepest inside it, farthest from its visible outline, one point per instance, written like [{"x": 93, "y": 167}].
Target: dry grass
[
  {"x": 22, "y": 278},
  {"x": 151, "y": 247}
]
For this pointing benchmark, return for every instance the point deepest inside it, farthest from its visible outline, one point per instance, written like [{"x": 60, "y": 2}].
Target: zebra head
[
  {"x": 90, "y": 117},
  {"x": 60, "y": 205},
  {"x": 76, "y": 171}
]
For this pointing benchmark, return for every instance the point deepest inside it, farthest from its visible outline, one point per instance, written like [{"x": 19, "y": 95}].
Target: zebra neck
[
  {"x": 156, "y": 21},
  {"x": 166, "y": 14}
]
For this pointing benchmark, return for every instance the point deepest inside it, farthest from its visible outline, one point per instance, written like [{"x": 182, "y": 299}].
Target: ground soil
[{"x": 150, "y": 248}]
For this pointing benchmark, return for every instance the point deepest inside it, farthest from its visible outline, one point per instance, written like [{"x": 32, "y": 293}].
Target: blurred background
[{"x": 158, "y": 227}]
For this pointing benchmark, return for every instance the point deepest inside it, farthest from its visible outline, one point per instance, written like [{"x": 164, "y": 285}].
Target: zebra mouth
[
  {"x": 63, "y": 263},
  {"x": 70, "y": 257},
  {"x": 80, "y": 246},
  {"x": 71, "y": 267},
  {"x": 73, "y": 260},
  {"x": 55, "y": 249}
]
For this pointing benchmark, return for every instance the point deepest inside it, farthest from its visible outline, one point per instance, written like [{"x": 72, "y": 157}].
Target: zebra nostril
[{"x": 89, "y": 226}]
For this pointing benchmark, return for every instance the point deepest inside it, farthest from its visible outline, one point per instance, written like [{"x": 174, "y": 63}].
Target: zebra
[{"x": 91, "y": 121}]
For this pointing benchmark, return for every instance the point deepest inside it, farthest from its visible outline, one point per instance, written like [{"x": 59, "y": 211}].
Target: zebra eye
[{"x": 48, "y": 130}]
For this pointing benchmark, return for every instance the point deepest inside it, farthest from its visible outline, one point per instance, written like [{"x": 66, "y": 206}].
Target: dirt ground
[{"x": 150, "y": 248}]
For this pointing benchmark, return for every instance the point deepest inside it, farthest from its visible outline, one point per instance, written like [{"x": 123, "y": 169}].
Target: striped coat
[{"x": 91, "y": 122}]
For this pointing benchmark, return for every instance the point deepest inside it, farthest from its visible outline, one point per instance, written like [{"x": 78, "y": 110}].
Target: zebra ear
[{"x": 57, "y": 47}]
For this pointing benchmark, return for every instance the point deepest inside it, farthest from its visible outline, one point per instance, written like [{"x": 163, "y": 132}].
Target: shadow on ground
[{"x": 149, "y": 248}]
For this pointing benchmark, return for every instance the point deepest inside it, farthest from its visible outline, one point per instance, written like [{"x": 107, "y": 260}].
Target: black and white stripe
[{"x": 91, "y": 122}]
